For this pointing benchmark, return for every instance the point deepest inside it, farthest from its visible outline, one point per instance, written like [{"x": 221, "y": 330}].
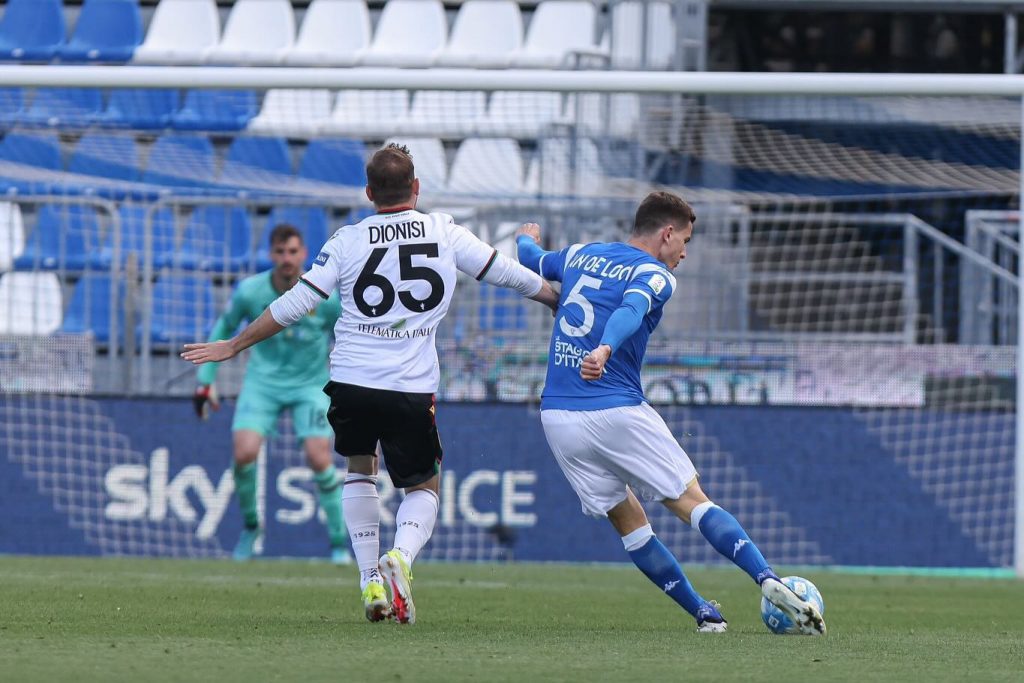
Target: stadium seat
[
  {"x": 557, "y": 29},
  {"x": 12, "y": 106},
  {"x": 521, "y": 114},
  {"x": 183, "y": 309},
  {"x": 38, "y": 158},
  {"x": 63, "y": 237},
  {"x": 181, "y": 32},
  {"x": 501, "y": 310},
  {"x": 89, "y": 310},
  {"x": 616, "y": 114},
  {"x": 79, "y": 107},
  {"x": 333, "y": 33},
  {"x": 216, "y": 110},
  {"x": 311, "y": 222},
  {"x": 31, "y": 30},
  {"x": 562, "y": 168},
  {"x": 30, "y": 303},
  {"x": 12, "y": 234},
  {"x": 107, "y": 156},
  {"x": 133, "y": 238},
  {"x": 629, "y": 40},
  {"x": 257, "y": 32},
  {"x": 491, "y": 166},
  {"x": 216, "y": 238},
  {"x": 339, "y": 161},
  {"x": 140, "y": 108},
  {"x": 410, "y": 33},
  {"x": 484, "y": 35},
  {"x": 431, "y": 164},
  {"x": 258, "y": 162},
  {"x": 106, "y": 31},
  {"x": 443, "y": 113},
  {"x": 293, "y": 113},
  {"x": 180, "y": 161},
  {"x": 367, "y": 112}
]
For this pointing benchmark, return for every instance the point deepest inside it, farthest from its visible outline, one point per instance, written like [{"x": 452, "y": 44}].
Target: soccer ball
[{"x": 776, "y": 620}]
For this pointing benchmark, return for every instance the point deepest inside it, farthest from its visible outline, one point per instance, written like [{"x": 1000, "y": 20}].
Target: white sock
[
  {"x": 636, "y": 539},
  {"x": 415, "y": 523},
  {"x": 361, "y": 506},
  {"x": 698, "y": 513}
]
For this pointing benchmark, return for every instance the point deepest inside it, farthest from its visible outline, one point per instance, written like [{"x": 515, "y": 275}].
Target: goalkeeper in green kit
[{"x": 285, "y": 372}]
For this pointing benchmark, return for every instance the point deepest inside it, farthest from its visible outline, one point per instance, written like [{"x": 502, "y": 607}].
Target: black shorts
[{"x": 403, "y": 423}]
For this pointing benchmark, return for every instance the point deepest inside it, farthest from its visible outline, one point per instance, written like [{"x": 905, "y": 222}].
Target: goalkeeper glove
[{"x": 204, "y": 400}]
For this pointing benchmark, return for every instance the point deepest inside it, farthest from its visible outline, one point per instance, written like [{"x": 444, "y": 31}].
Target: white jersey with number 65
[{"x": 395, "y": 274}]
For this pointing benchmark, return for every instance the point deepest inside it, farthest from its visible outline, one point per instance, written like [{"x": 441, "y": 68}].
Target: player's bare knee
[
  {"x": 627, "y": 516},
  {"x": 362, "y": 464},
  {"x": 432, "y": 484},
  {"x": 318, "y": 454}
]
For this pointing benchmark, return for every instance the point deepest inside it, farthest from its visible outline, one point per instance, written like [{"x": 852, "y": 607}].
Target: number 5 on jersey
[{"x": 576, "y": 296}]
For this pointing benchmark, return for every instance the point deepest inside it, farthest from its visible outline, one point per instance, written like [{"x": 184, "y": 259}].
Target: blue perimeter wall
[{"x": 822, "y": 465}]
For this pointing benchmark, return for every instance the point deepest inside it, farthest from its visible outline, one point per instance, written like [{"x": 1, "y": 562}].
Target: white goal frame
[{"x": 644, "y": 82}]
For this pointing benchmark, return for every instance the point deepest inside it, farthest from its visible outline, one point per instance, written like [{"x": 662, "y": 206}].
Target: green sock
[
  {"x": 329, "y": 487},
  {"x": 245, "y": 486}
]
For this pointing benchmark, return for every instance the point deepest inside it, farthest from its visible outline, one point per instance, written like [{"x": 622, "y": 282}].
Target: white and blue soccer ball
[{"x": 776, "y": 620}]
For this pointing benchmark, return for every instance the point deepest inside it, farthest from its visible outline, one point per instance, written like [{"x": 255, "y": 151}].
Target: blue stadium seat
[
  {"x": 64, "y": 107},
  {"x": 140, "y": 108},
  {"x": 108, "y": 156},
  {"x": 501, "y": 310},
  {"x": 257, "y": 161},
  {"x": 12, "y": 106},
  {"x": 64, "y": 236},
  {"x": 180, "y": 161},
  {"x": 183, "y": 309},
  {"x": 216, "y": 110},
  {"x": 216, "y": 238},
  {"x": 39, "y": 150},
  {"x": 133, "y": 237},
  {"x": 107, "y": 31},
  {"x": 311, "y": 222},
  {"x": 89, "y": 310},
  {"x": 31, "y": 30},
  {"x": 340, "y": 161}
]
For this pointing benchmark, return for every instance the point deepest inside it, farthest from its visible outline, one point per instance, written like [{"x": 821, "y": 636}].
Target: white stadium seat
[
  {"x": 558, "y": 28},
  {"x": 333, "y": 33},
  {"x": 522, "y": 114},
  {"x": 181, "y": 32},
  {"x": 430, "y": 161},
  {"x": 551, "y": 170},
  {"x": 410, "y": 33},
  {"x": 598, "y": 114},
  {"x": 484, "y": 35},
  {"x": 257, "y": 32},
  {"x": 628, "y": 38},
  {"x": 12, "y": 234},
  {"x": 293, "y": 113},
  {"x": 444, "y": 114},
  {"x": 490, "y": 166},
  {"x": 30, "y": 303},
  {"x": 367, "y": 112}
]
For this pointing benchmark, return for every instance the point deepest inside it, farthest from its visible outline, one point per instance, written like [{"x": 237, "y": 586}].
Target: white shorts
[{"x": 601, "y": 452}]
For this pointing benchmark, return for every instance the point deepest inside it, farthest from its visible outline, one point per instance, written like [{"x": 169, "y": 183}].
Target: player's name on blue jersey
[{"x": 601, "y": 266}]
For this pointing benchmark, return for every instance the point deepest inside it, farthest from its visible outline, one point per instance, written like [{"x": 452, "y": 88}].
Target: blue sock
[
  {"x": 726, "y": 535},
  {"x": 661, "y": 567}
]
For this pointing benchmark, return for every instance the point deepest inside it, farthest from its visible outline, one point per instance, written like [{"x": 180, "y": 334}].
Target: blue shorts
[{"x": 259, "y": 407}]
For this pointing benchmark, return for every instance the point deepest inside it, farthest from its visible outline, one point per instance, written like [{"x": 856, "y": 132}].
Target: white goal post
[{"x": 671, "y": 83}]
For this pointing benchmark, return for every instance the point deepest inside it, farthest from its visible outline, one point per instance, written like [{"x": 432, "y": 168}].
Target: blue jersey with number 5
[{"x": 595, "y": 277}]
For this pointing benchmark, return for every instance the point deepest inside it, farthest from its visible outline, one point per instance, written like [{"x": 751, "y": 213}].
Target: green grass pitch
[{"x": 177, "y": 620}]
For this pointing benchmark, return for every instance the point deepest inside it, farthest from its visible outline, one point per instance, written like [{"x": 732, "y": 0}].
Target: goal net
[{"x": 839, "y": 358}]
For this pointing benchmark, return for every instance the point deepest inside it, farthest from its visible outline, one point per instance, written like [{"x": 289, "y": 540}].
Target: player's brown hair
[
  {"x": 283, "y": 232},
  {"x": 389, "y": 175},
  {"x": 658, "y": 209}
]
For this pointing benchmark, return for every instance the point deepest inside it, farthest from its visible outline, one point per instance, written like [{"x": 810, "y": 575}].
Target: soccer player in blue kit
[{"x": 610, "y": 444}]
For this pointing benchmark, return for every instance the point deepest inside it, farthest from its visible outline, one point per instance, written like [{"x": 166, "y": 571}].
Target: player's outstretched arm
[
  {"x": 528, "y": 247},
  {"x": 211, "y": 352}
]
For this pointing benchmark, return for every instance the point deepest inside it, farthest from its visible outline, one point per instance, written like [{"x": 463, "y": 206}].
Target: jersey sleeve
[
  {"x": 323, "y": 276},
  {"x": 654, "y": 283},
  {"x": 473, "y": 256},
  {"x": 225, "y": 326}
]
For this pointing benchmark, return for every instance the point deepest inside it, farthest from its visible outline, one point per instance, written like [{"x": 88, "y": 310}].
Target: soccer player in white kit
[
  {"x": 395, "y": 273},
  {"x": 610, "y": 444}
]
